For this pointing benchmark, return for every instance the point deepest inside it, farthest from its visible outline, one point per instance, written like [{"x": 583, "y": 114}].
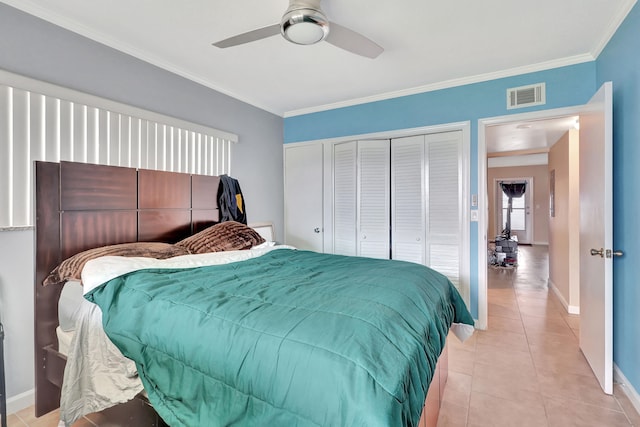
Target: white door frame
[{"x": 483, "y": 200}]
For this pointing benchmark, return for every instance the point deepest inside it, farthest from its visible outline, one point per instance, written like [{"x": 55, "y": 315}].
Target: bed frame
[{"x": 79, "y": 206}]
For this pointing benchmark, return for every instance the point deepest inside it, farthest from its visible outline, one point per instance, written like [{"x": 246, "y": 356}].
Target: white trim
[
  {"x": 107, "y": 40},
  {"x": 465, "y": 261},
  {"x": 483, "y": 229},
  {"x": 531, "y": 116},
  {"x": 571, "y": 309},
  {"x": 67, "y": 94},
  {"x": 613, "y": 27},
  {"x": 542, "y": 66},
  {"x": 21, "y": 401},
  {"x": 627, "y": 387}
]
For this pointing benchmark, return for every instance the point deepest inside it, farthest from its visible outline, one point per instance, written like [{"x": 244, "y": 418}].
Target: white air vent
[{"x": 526, "y": 96}]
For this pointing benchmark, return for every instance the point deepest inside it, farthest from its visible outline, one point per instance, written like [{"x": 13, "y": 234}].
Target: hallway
[{"x": 526, "y": 369}]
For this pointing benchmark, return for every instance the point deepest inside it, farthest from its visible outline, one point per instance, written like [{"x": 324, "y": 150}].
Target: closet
[{"x": 400, "y": 198}]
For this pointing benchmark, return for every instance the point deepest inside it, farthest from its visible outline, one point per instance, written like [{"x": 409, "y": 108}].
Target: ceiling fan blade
[
  {"x": 249, "y": 36},
  {"x": 351, "y": 41}
]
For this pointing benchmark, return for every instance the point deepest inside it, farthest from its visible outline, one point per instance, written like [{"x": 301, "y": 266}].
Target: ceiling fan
[{"x": 305, "y": 23}]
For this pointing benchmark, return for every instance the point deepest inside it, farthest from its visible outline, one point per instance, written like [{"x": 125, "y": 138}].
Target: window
[
  {"x": 517, "y": 213},
  {"x": 40, "y": 121}
]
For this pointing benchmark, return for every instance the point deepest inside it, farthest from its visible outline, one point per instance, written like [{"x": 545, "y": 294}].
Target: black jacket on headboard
[{"x": 230, "y": 200}]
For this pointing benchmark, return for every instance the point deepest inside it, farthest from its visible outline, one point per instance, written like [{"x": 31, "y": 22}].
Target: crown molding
[
  {"x": 97, "y": 36},
  {"x": 542, "y": 66},
  {"x": 613, "y": 26}
]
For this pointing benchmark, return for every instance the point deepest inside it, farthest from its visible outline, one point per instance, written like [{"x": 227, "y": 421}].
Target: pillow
[
  {"x": 225, "y": 236},
  {"x": 70, "y": 268}
]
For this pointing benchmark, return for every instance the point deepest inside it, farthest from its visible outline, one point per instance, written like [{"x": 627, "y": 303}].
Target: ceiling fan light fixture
[{"x": 304, "y": 26}]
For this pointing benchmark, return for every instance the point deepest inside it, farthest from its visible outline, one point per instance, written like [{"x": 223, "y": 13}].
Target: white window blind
[{"x": 39, "y": 121}]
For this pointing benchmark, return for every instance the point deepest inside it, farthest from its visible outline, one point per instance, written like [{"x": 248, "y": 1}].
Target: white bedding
[
  {"x": 64, "y": 340},
  {"x": 97, "y": 375},
  {"x": 100, "y": 270}
]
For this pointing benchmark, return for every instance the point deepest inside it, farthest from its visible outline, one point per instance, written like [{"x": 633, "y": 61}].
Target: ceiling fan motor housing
[{"x": 304, "y": 22}]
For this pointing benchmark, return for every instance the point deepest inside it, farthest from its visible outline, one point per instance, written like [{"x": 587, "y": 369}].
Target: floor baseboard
[
  {"x": 631, "y": 393},
  {"x": 21, "y": 401},
  {"x": 571, "y": 309}
]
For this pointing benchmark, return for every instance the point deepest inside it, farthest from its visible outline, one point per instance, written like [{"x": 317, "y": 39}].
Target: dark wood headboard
[{"x": 79, "y": 206}]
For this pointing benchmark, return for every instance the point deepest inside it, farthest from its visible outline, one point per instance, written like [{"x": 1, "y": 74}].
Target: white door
[
  {"x": 303, "y": 196},
  {"x": 374, "y": 198},
  {"x": 596, "y": 236},
  {"x": 408, "y": 199},
  {"x": 444, "y": 205},
  {"x": 521, "y": 220},
  {"x": 345, "y": 160}
]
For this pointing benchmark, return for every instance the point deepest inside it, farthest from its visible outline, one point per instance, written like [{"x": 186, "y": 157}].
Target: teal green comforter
[{"x": 290, "y": 338}]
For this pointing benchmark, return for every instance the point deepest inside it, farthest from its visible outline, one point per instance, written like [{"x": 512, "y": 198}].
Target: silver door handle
[
  {"x": 595, "y": 252},
  {"x": 316, "y": 230},
  {"x": 611, "y": 253}
]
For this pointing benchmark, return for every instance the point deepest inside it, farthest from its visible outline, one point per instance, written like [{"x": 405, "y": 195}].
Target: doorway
[
  {"x": 592, "y": 157},
  {"x": 515, "y": 149},
  {"x": 521, "y": 221}
]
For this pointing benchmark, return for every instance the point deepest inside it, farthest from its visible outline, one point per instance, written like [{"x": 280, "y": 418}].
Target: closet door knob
[{"x": 316, "y": 230}]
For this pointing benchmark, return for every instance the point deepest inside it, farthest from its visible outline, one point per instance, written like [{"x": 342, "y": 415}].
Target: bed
[{"x": 81, "y": 206}]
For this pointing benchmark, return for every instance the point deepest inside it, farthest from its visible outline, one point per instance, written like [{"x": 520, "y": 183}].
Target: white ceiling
[
  {"x": 532, "y": 135},
  {"x": 428, "y": 44}
]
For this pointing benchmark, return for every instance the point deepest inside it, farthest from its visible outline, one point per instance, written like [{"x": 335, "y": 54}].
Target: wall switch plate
[
  {"x": 474, "y": 200},
  {"x": 474, "y": 215}
]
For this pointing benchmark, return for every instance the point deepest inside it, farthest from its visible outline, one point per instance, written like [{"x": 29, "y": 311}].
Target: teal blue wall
[
  {"x": 566, "y": 86},
  {"x": 620, "y": 64}
]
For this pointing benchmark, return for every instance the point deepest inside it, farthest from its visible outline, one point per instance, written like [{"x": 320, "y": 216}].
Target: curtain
[{"x": 514, "y": 190}]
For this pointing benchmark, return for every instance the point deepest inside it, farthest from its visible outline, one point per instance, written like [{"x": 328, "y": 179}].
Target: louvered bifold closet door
[
  {"x": 408, "y": 199},
  {"x": 374, "y": 158},
  {"x": 344, "y": 198},
  {"x": 444, "y": 203}
]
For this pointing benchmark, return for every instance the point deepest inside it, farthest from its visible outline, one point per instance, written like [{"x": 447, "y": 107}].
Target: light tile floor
[{"x": 526, "y": 369}]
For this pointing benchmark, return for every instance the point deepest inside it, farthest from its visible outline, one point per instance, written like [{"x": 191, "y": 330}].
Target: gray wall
[{"x": 35, "y": 48}]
